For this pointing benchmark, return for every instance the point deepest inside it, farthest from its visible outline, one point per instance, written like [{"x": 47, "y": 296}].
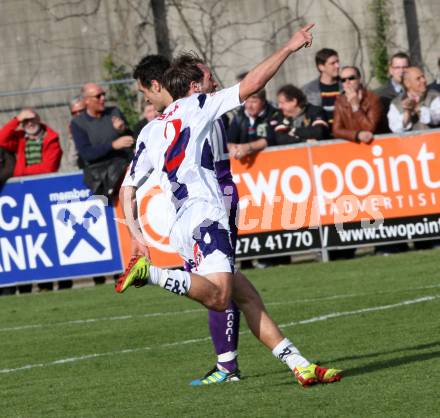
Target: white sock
[
  {"x": 286, "y": 352},
  {"x": 175, "y": 281}
]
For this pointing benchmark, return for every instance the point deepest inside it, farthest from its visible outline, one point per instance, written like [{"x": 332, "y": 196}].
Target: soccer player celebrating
[
  {"x": 224, "y": 325},
  {"x": 174, "y": 146}
]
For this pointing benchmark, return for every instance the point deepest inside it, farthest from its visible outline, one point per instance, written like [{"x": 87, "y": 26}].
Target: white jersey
[{"x": 176, "y": 146}]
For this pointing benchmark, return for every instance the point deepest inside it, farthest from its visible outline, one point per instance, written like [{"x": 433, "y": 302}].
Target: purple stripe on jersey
[
  {"x": 174, "y": 156},
  {"x": 180, "y": 194},
  {"x": 223, "y": 171},
  {"x": 211, "y": 236},
  {"x": 202, "y": 99},
  {"x": 207, "y": 160},
  {"x": 136, "y": 158},
  {"x": 224, "y": 137}
]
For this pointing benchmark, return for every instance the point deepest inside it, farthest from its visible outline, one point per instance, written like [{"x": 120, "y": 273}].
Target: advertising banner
[
  {"x": 292, "y": 199},
  {"x": 51, "y": 228},
  {"x": 384, "y": 192},
  {"x": 323, "y": 195},
  {"x": 277, "y": 210}
]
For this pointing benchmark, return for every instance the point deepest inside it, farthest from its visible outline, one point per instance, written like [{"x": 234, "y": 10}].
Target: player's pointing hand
[{"x": 302, "y": 38}]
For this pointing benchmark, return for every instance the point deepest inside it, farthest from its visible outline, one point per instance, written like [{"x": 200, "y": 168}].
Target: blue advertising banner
[{"x": 52, "y": 228}]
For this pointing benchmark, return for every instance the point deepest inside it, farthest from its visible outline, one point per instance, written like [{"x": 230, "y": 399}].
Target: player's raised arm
[{"x": 257, "y": 78}]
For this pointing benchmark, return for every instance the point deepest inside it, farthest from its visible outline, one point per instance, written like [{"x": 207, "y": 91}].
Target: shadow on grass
[
  {"x": 379, "y": 365},
  {"x": 381, "y": 353},
  {"x": 372, "y": 367},
  {"x": 368, "y": 368},
  {"x": 386, "y": 364}
]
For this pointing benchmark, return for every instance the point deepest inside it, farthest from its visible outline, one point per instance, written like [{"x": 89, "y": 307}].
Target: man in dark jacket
[
  {"x": 250, "y": 132},
  {"x": 297, "y": 120},
  {"x": 103, "y": 141},
  {"x": 398, "y": 63}
]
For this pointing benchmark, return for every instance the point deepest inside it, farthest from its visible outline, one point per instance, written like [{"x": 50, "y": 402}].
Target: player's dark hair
[
  {"x": 323, "y": 55},
  {"x": 177, "y": 79},
  {"x": 187, "y": 59},
  {"x": 290, "y": 92},
  {"x": 149, "y": 68}
]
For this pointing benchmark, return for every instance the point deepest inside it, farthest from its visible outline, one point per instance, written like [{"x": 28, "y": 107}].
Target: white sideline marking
[
  {"x": 190, "y": 311},
  {"x": 92, "y": 320},
  {"x": 198, "y": 340},
  {"x": 359, "y": 311}
]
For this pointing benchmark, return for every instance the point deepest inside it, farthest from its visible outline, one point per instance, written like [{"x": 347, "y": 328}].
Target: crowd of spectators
[{"x": 336, "y": 104}]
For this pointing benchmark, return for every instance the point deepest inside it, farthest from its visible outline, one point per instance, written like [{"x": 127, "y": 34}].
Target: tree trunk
[
  {"x": 412, "y": 30},
  {"x": 161, "y": 28}
]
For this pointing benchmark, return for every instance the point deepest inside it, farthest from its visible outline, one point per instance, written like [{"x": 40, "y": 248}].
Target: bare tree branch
[
  {"x": 359, "y": 51},
  {"x": 57, "y": 18}
]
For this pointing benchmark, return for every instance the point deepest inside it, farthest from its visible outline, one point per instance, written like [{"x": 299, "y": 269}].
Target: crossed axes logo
[{"x": 81, "y": 229}]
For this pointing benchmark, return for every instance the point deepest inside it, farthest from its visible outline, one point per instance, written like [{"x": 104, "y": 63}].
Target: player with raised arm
[
  {"x": 223, "y": 326},
  {"x": 173, "y": 146}
]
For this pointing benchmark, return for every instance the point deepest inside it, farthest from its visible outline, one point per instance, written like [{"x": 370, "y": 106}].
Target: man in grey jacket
[{"x": 323, "y": 90}]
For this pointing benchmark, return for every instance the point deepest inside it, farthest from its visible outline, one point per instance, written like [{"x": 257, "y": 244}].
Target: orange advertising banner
[
  {"x": 325, "y": 195},
  {"x": 393, "y": 177}
]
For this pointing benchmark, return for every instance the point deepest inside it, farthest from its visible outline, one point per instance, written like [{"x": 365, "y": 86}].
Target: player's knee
[
  {"x": 219, "y": 302},
  {"x": 220, "y": 296}
]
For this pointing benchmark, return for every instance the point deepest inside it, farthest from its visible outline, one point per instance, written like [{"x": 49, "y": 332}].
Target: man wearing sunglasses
[
  {"x": 103, "y": 140},
  {"x": 358, "y": 112}
]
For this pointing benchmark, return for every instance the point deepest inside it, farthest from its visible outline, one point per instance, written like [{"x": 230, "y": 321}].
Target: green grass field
[{"x": 92, "y": 353}]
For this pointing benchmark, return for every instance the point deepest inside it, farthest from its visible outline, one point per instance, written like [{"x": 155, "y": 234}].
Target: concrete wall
[{"x": 47, "y": 43}]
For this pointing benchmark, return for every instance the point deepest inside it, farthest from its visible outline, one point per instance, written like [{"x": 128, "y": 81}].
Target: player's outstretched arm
[{"x": 257, "y": 78}]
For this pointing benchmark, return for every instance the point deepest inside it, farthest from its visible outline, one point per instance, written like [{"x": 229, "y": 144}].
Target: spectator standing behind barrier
[
  {"x": 103, "y": 141},
  {"x": 358, "y": 112},
  {"x": 148, "y": 114},
  {"x": 249, "y": 134},
  {"x": 418, "y": 108},
  {"x": 323, "y": 90},
  {"x": 35, "y": 145},
  {"x": 398, "y": 63},
  {"x": 250, "y": 131},
  {"x": 37, "y": 151},
  {"x": 297, "y": 121},
  {"x": 71, "y": 160},
  {"x": 435, "y": 85}
]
